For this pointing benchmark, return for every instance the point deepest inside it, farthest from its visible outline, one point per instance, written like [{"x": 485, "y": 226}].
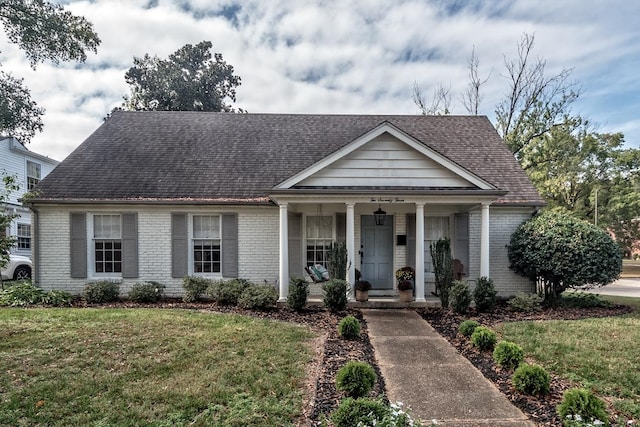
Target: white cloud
[{"x": 330, "y": 56}]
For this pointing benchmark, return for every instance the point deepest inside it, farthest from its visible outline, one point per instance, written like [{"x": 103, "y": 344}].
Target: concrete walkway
[{"x": 422, "y": 370}]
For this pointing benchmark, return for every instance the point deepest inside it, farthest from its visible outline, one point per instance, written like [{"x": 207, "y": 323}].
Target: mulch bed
[
  {"x": 333, "y": 352},
  {"x": 541, "y": 409}
]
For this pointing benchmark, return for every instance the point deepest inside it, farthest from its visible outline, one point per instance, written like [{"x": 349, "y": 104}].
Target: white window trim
[
  {"x": 26, "y": 174},
  {"x": 304, "y": 232},
  {"x": 91, "y": 254},
  {"x": 18, "y": 236},
  {"x": 190, "y": 239}
]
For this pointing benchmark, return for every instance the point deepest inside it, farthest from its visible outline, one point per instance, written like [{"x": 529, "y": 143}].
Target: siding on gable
[{"x": 386, "y": 161}]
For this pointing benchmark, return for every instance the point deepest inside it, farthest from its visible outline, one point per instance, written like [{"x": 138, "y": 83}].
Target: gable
[{"x": 386, "y": 157}]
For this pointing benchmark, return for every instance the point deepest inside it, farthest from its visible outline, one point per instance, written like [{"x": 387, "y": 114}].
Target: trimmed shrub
[
  {"x": 100, "y": 292},
  {"x": 525, "y": 302},
  {"x": 349, "y": 328},
  {"x": 335, "y": 294},
  {"x": 227, "y": 292},
  {"x": 194, "y": 287},
  {"x": 582, "y": 300},
  {"x": 467, "y": 327},
  {"x": 356, "y": 379},
  {"x": 531, "y": 379},
  {"x": 582, "y": 403},
  {"x": 146, "y": 292},
  {"x": 258, "y": 297},
  {"x": 484, "y": 295},
  {"x": 353, "y": 412},
  {"x": 508, "y": 354},
  {"x": 483, "y": 338},
  {"x": 298, "y": 293},
  {"x": 459, "y": 297}
]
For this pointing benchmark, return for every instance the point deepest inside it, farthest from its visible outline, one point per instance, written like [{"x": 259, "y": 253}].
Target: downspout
[{"x": 35, "y": 247}]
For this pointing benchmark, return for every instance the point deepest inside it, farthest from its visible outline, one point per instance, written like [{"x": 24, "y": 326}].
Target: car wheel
[{"x": 22, "y": 273}]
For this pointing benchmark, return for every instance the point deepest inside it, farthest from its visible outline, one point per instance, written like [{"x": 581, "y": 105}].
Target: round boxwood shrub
[
  {"x": 349, "y": 328},
  {"x": 147, "y": 292},
  {"x": 531, "y": 379},
  {"x": 298, "y": 293},
  {"x": 227, "y": 292},
  {"x": 582, "y": 403},
  {"x": 508, "y": 354},
  {"x": 356, "y": 379},
  {"x": 459, "y": 297},
  {"x": 467, "y": 327},
  {"x": 335, "y": 294},
  {"x": 258, "y": 297},
  {"x": 102, "y": 291},
  {"x": 483, "y": 338},
  {"x": 353, "y": 412},
  {"x": 484, "y": 295}
]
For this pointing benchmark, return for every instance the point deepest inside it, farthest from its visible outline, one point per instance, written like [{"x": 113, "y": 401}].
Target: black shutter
[
  {"x": 129, "y": 245},
  {"x": 411, "y": 240},
  {"x": 295, "y": 244},
  {"x": 179, "y": 245},
  {"x": 229, "y": 245}
]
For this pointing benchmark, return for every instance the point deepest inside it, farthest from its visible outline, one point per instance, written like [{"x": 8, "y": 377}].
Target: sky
[{"x": 342, "y": 57}]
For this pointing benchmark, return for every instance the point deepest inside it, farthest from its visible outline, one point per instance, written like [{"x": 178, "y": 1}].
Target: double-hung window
[
  {"x": 33, "y": 174},
  {"x": 24, "y": 236},
  {"x": 206, "y": 244},
  {"x": 107, "y": 243},
  {"x": 435, "y": 228},
  {"x": 319, "y": 233}
]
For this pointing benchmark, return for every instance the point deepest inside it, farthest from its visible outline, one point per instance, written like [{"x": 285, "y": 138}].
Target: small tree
[
  {"x": 563, "y": 252},
  {"x": 443, "y": 268},
  {"x": 337, "y": 260}
]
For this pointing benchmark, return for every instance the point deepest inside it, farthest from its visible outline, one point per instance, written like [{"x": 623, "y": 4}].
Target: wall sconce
[{"x": 380, "y": 216}]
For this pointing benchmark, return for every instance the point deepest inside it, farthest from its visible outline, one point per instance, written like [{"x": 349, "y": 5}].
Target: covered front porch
[{"x": 377, "y": 247}]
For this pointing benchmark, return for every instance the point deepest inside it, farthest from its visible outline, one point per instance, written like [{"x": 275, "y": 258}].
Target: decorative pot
[
  {"x": 362, "y": 296},
  {"x": 406, "y": 296}
]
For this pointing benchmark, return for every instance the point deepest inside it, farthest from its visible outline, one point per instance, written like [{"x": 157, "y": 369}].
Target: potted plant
[
  {"x": 405, "y": 273},
  {"x": 362, "y": 290},
  {"x": 405, "y": 290}
]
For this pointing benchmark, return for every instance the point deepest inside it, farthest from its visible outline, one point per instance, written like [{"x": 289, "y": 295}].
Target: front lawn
[
  {"x": 131, "y": 367},
  {"x": 598, "y": 353}
]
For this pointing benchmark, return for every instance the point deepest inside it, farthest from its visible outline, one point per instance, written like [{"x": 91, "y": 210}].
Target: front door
[{"x": 376, "y": 253}]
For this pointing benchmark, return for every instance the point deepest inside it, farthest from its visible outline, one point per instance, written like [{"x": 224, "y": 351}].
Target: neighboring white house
[
  {"x": 28, "y": 168},
  {"x": 156, "y": 196}
]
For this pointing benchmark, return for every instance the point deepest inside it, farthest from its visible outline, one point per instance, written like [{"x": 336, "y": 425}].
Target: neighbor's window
[
  {"x": 319, "y": 239},
  {"x": 33, "y": 174},
  {"x": 435, "y": 227},
  {"x": 206, "y": 244},
  {"x": 107, "y": 240},
  {"x": 24, "y": 236}
]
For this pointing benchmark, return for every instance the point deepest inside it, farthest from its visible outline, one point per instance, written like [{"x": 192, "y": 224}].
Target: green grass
[
  {"x": 601, "y": 354},
  {"x": 144, "y": 367}
]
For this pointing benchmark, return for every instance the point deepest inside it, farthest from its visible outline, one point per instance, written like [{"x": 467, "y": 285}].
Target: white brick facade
[{"x": 503, "y": 221}]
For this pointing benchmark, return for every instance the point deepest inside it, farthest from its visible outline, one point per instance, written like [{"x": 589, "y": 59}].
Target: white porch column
[
  {"x": 351, "y": 249},
  {"x": 420, "y": 252},
  {"x": 284, "y": 253},
  {"x": 484, "y": 241}
]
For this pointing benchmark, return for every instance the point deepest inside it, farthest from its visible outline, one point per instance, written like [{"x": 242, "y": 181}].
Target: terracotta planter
[
  {"x": 362, "y": 296},
  {"x": 406, "y": 296}
]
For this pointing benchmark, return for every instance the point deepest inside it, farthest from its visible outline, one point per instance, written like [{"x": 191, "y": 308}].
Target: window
[
  {"x": 435, "y": 227},
  {"x": 206, "y": 244},
  {"x": 319, "y": 238},
  {"x": 107, "y": 240},
  {"x": 24, "y": 236},
  {"x": 33, "y": 174}
]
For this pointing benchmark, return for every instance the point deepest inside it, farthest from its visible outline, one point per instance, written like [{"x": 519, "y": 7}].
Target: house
[
  {"x": 157, "y": 196},
  {"x": 28, "y": 168}
]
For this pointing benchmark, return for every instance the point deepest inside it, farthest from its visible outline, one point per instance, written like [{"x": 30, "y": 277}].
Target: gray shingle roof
[{"x": 241, "y": 157}]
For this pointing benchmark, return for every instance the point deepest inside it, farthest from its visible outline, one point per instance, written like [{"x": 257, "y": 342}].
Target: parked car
[{"x": 18, "y": 268}]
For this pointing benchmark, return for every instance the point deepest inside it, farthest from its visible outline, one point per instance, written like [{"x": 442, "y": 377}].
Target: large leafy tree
[
  {"x": 45, "y": 31},
  {"x": 191, "y": 79},
  {"x": 562, "y": 252},
  {"x": 7, "y": 186}
]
